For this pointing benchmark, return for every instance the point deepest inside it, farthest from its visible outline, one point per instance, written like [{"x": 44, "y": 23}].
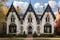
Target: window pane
[
  {"x": 21, "y": 29},
  {"x": 38, "y": 29},
  {"x": 47, "y": 18},
  {"x": 12, "y": 29},
  {"x": 38, "y": 22},
  {"x": 30, "y": 19},
  {"x": 47, "y": 29},
  {"x": 12, "y": 19}
]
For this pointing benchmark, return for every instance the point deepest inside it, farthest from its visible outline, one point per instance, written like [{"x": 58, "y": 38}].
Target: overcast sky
[{"x": 37, "y": 4}]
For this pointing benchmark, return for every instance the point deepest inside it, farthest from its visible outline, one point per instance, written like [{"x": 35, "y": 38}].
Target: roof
[
  {"x": 12, "y": 9},
  {"x": 30, "y": 8},
  {"x": 48, "y": 9}
]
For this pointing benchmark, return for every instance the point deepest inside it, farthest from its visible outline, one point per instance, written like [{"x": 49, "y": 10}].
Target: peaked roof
[
  {"x": 48, "y": 9},
  {"x": 30, "y": 8},
  {"x": 12, "y": 9}
]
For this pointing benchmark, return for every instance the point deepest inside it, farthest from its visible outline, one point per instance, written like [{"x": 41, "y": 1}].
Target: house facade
[{"x": 30, "y": 21}]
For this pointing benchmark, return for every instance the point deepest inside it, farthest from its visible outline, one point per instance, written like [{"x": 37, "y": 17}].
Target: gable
[
  {"x": 12, "y": 9},
  {"x": 48, "y": 9},
  {"x": 30, "y": 9}
]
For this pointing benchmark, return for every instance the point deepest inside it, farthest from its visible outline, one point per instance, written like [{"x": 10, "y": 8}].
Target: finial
[
  {"x": 30, "y": 1},
  {"x": 12, "y": 3}
]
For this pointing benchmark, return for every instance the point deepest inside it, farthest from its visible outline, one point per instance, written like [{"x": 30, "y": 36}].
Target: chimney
[
  {"x": 58, "y": 10},
  {"x": 17, "y": 9}
]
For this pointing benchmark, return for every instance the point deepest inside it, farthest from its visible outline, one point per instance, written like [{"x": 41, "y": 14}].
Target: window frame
[{"x": 12, "y": 18}]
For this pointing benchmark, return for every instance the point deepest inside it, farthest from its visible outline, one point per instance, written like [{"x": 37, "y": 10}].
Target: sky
[{"x": 38, "y": 5}]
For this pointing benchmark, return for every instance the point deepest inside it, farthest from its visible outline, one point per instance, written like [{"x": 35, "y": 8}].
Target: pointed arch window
[
  {"x": 47, "y": 28},
  {"x": 30, "y": 18},
  {"x": 12, "y": 18},
  {"x": 47, "y": 18},
  {"x": 12, "y": 28}
]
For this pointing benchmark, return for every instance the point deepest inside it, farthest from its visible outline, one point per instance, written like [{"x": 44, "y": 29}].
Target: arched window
[
  {"x": 12, "y": 18},
  {"x": 30, "y": 18},
  {"x": 47, "y": 28},
  {"x": 21, "y": 29},
  {"x": 38, "y": 22},
  {"x": 12, "y": 28},
  {"x": 21, "y": 21},
  {"x": 30, "y": 30},
  {"x": 47, "y": 18},
  {"x": 38, "y": 29}
]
